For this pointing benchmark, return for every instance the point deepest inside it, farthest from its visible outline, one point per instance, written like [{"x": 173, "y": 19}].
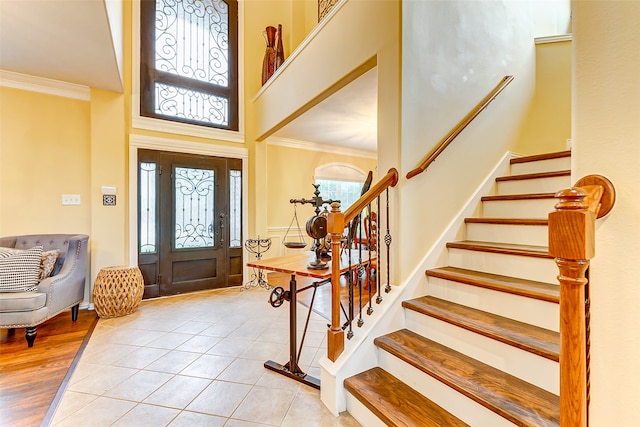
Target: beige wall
[
  {"x": 606, "y": 138},
  {"x": 45, "y": 144},
  {"x": 290, "y": 176},
  {"x": 547, "y": 123},
  {"x": 454, "y": 53}
]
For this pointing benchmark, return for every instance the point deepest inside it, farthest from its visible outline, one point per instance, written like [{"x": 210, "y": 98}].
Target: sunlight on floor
[{"x": 197, "y": 360}]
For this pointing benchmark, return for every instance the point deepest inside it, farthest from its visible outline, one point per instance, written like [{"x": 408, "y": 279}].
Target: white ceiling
[
  {"x": 65, "y": 40},
  {"x": 347, "y": 118},
  {"x": 71, "y": 41}
]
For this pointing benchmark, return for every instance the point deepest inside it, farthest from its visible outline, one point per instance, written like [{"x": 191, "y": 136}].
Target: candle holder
[{"x": 257, "y": 247}]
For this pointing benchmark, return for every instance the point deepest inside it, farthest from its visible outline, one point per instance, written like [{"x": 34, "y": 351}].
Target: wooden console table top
[{"x": 297, "y": 264}]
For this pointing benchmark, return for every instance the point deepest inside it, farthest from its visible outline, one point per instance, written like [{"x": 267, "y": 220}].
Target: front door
[{"x": 189, "y": 223}]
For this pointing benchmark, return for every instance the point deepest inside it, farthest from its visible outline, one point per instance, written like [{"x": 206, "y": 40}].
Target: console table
[{"x": 297, "y": 265}]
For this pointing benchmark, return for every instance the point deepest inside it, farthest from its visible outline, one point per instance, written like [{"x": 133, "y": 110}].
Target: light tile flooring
[{"x": 197, "y": 360}]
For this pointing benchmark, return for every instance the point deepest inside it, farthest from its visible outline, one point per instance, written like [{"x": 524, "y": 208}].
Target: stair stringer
[{"x": 360, "y": 352}]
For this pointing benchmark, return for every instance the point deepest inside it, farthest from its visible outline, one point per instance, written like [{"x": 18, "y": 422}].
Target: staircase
[{"x": 481, "y": 349}]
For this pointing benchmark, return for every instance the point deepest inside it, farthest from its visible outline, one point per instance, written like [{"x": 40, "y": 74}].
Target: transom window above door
[{"x": 189, "y": 61}]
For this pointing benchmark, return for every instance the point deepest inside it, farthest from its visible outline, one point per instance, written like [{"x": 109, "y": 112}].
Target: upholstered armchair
[{"x": 61, "y": 289}]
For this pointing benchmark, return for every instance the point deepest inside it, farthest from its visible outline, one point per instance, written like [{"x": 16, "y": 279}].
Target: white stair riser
[
  {"x": 457, "y": 404},
  {"x": 549, "y": 165},
  {"x": 531, "y": 268},
  {"x": 530, "y": 367},
  {"x": 361, "y": 413},
  {"x": 543, "y": 314},
  {"x": 532, "y": 186},
  {"x": 534, "y": 235},
  {"x": 527, "y": 209}
]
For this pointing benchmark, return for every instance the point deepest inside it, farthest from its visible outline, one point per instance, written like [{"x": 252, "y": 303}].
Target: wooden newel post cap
[
  {"x": 571, "y": 199},
  {"x": 572, "y": 226},
  {"x": 335, "y": 219}
]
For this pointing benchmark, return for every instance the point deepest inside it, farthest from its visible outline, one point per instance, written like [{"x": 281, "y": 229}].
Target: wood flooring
[{"x": 31, "y": 378}]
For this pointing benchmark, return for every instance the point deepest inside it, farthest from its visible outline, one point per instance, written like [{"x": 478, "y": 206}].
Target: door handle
[{"x": 221, "y": 229}]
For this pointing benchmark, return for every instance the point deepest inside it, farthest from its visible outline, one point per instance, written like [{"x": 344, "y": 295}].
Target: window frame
[{"x": 149, "y": 75}]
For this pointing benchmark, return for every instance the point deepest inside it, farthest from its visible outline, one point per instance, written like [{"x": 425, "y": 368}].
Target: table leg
[{"x": 291, "y": 369}]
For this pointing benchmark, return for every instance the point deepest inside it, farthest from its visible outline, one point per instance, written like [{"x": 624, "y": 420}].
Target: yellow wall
[
  {"x": 45, "y": 143},
  {"x": 547, "y": 124},
  {"x": 290, "y": 176},
  {"x": 606, "y": 141}
]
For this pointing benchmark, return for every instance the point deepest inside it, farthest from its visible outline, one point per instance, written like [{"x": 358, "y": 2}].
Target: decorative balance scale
[{"x": 316, "y": 228}]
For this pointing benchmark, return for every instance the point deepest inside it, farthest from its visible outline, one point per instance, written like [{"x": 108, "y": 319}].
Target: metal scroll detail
[
  {"x": 194, "y": 209},
  {"x": 258, "y": 247},
  {"x": 192, "y": 41},
  {"x": 324, "y": 7}
]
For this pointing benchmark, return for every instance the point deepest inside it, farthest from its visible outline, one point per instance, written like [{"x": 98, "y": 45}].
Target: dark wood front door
[{"x": 189, "y": 222}]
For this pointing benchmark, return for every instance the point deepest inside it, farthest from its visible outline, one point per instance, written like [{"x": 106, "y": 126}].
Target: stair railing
[
  {"x": 572, "y": 244},
  {"x": 457, "y": 130},
  {"x": 363, "y": 280}
]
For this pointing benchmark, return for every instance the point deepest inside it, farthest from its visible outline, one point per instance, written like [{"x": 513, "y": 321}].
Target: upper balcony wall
[{"x": 355, "y": 37}]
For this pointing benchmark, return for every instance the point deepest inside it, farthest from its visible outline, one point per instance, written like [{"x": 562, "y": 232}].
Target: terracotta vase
[
  {"x": 279, "y": 48},
  {"x": 269, "y": 61}
]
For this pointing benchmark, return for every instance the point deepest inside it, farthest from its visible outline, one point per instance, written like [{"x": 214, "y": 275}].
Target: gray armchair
[{"x": 56, "y": 293}]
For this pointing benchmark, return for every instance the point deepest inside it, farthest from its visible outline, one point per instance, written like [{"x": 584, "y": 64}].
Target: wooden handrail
[
  {"x": 572, "y": 244},
  {"x": 335, "y": 226},
  {"x": 389, "y": 180},
  {"x": 444, "y": 143}
]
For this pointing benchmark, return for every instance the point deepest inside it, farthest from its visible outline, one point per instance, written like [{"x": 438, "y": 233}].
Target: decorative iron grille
[
  {"x": 324, "y": 7},
  {"x": 235, "y": 208},
  {"x": 148, "y": 213},
  {"x": 194, "y": 208}
]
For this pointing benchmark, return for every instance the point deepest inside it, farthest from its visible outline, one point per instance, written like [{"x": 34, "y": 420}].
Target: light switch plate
[{"x": 70, "y": 199}]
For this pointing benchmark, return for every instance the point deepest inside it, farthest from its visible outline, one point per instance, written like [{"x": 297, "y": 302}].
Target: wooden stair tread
[
  {"x": 395, "y": 403},
  {"x": 526, "y": 196},
  {"x": 534, "y": 339},
  {"x": 513, "y": 285},
  {"x": 538, "y": 157},
  {"x": 507, "y": 221},
  {"x": 536, "y": 175},
  {"x": 512, "y": 398},
  {"x": 502, "y": 248}
]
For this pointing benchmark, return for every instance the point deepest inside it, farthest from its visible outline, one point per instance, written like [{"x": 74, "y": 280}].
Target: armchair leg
[
  {"x": 74, "y": 312},
  {"x": 30, "y": 335}
]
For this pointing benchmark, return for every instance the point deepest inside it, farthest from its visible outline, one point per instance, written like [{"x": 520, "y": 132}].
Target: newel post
[
  {"x": 335, "y": 335},
  {"x": 571, "y": 242}
]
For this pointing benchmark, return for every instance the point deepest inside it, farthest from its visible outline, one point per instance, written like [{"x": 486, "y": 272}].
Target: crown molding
[
  {"x": 43, "y": 85},
  {"x": 315, "y": 146},
  {"x": 554, "y": 39}
]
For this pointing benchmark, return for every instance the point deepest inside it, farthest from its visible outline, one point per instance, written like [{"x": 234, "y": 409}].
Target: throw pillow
[
  {"x": 48, "y": 262},
  {"x": 19, "y": 272}
]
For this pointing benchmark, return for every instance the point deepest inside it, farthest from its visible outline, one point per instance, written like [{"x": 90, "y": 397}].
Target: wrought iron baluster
[
  {"x": 378, "y": 280},
  {"x": 387, "y": 241},
  {"x": 350, "y": 285},
  {"x": 370, "y": 247},
  {"x": 359, "y": 269}
]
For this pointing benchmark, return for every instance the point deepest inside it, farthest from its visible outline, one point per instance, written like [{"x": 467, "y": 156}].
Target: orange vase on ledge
[
  {"x": 269, "y": 61},
  {"x": 279, "y": 49}
]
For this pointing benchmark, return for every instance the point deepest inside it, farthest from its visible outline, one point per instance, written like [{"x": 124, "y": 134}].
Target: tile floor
[{"x": 197, "y": 360}]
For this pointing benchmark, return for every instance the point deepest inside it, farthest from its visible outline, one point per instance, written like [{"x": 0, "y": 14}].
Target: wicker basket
[{"x": 117, "y": 291}]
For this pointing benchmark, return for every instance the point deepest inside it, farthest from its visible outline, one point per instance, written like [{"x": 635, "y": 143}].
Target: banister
[
  {"x": 389, "y": 180},
  {"x": 572, "y": 244},
  {"x": 444, "y": 143},
  {"x": 336, "y": 223}
]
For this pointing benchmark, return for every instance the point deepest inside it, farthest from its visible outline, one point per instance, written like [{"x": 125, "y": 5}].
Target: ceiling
[
  {"x": 71, "y": 41},
  {"x": 64, "y": 40}
]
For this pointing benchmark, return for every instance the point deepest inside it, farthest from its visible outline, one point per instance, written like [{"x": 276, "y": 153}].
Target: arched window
[
  {"x": 189, "y": 61},
  {"x": 340, "y": 181}
]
